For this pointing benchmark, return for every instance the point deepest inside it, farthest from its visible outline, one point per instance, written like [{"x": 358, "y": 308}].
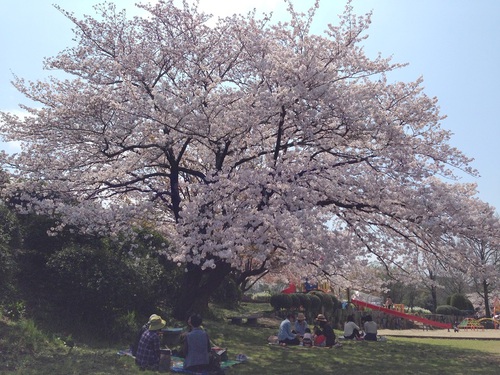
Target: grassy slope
[{"x": 25, "y": 350}]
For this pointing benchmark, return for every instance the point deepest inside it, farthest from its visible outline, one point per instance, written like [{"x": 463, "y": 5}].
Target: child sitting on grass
[
  {"x": 319, "y": 338},
  {"x": 307, "y": 340}
]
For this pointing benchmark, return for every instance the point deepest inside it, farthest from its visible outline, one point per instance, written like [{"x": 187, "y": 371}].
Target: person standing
[
  {"x": 148, "y": 350},
  {"x": 326, "y": 330},
  {"x": 196, "y": 346},
  {"x": 388, "y": 303},
  {"x": 285, "y": 334}
]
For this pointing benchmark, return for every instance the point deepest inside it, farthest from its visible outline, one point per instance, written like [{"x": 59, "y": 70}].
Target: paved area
[{"x": 487, "y": 334}]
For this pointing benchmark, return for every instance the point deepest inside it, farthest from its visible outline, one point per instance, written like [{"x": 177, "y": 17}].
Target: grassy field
[{"x": 26, "y": 350}]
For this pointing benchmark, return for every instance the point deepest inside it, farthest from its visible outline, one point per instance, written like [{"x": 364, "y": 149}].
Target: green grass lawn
[{"x": 25, "y": 350}]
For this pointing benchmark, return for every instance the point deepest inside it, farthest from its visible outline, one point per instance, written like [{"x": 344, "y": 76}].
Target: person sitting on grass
[
  {"x": 300, "y": 324},
  {"x": 351, "y": 330},
  {"x": 196, "y": 346},
  {"x": 370, "y": 328},
  {"x": 326, "y": 330},
  {"x": 307, "y": 339},
  {"x": 143, "y": 329},
  {"x": 319, "y": 338},
  {"x": 285, "y": 334},
  {"x": 148, "y": 350}
]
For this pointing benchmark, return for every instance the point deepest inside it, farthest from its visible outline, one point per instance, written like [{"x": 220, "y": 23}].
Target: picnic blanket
[{"x": 177, "y": 366}]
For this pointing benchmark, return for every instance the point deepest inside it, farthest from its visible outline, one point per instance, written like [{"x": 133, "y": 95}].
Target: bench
[{"x": 250, "y": 320}]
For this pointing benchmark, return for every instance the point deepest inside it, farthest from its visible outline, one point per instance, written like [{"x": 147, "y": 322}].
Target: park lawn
[
  {"x": 395, "y": 356},
  {"x": 25, "y": 350}
]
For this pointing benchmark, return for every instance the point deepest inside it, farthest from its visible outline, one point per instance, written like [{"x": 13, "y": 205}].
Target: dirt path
[{"x": 487, "y": 334}]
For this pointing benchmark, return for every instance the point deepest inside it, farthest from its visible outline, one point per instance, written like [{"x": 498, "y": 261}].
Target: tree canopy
[{"x": 251, "y": 144}]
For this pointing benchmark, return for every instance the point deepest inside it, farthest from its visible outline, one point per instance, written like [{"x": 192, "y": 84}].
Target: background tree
[
  {"x": 479, "y": 257},
  {"x": 244, "y": 140},
  {"x": 10, "y": 242}
]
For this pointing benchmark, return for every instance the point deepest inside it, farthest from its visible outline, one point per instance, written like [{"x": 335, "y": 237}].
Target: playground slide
[{"x": 402, "y": 315}]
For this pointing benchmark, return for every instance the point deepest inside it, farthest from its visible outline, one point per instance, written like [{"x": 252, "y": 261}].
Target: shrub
[
  {"x": 417, "y": 310},
  {"x": 275, "y": 301},
  {"x": 329, "y": 303},
  {"x": 126, "y": 327},
  {"x": 315, "y": 303},
  {"x": 461, "y": 302},
  {"x": 227, "y": 294},
  {"x": 263, "y": 297},
  {"x": 9, "y": 240},
  {"x": 447, "y": 310},
  {"x": 305, "y": 300},
  {"x": 295, "y": 300},
  {"x": 96, "y": 285},
  {"x": 286, "y": 301},
  {"x": 283, "y": 301}
]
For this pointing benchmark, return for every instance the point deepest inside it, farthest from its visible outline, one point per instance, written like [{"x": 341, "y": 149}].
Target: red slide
[{"x": 402, "y": 315}]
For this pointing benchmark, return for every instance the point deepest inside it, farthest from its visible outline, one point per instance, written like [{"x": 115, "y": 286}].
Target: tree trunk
[
  {"x": 434, "y": 298},
  {"x": 486, "y": 299},
  {"x": 197, "y": 287}
]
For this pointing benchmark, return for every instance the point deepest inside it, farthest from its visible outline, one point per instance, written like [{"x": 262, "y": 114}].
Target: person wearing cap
[
  {"x": 196, "y": 346},
  {"x": 143, "y": 329},
  {"x": 300, "y": 325},
  {"x": 148, "y": 350},
  {"x": 326, "y": 330},
  {"x": 285, "y": 333}
]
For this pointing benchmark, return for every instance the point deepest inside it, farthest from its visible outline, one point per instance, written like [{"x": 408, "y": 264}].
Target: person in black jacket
[{"x": 326, "y": 330}]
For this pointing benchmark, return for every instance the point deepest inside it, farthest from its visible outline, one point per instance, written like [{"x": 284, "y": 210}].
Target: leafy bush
[
  {"x": 305, "y": 300},
  {"x": 311, "y": 302},
  {"x": 15, "y": 310},
  {"x": 417, "y": 310},
  {"x": 96, "y": 285},
  {"x": 227, "y": 294},
  {"x": 447, "y": 310},
  {"x": 261, "y": 297},
  {"x": 295, "y": 300},
  {"x": 286, "y": 301},
  {"x": 9, "y": 240},
  {"x": 275, "y": 301},
  {"x": 461, "y": 302},
  {"x": 315, "y": 303}
]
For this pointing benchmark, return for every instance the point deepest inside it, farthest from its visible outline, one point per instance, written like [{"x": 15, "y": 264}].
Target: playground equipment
[
  {"x": 290, "y": 289},
  {"x": 403, "y": 315},
  {"x": 471, "y": 323}
]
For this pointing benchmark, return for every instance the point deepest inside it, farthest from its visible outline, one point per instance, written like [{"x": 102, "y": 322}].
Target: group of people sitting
[
  {"x": 295, "y": 331},
  {"x": 195, "y": 348},
  {"x": 352, "y": 331}
]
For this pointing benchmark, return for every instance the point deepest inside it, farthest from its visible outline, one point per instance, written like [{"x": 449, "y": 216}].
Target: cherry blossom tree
[
  {"x": 251, "y": 144},
  {"x": 479, "y": 255}
]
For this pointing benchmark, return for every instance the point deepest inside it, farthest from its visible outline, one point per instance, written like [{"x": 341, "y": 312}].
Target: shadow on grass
[
  {"x": 395, "y": 356},
  {"x": 37, "y": 354}
]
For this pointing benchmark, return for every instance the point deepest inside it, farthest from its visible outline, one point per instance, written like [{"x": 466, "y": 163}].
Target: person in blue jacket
[
  {"x": 285, "y": 333},
  {"x": 196, "y": 346}
]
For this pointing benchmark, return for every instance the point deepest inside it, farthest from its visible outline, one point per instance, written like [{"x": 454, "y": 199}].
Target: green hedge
[
  {"x": 447, "y": 310},
  {"x": 313, "y": 302}
]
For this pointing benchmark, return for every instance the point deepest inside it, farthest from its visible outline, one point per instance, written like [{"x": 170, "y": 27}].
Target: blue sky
[{"x": 453, "y": 44}]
